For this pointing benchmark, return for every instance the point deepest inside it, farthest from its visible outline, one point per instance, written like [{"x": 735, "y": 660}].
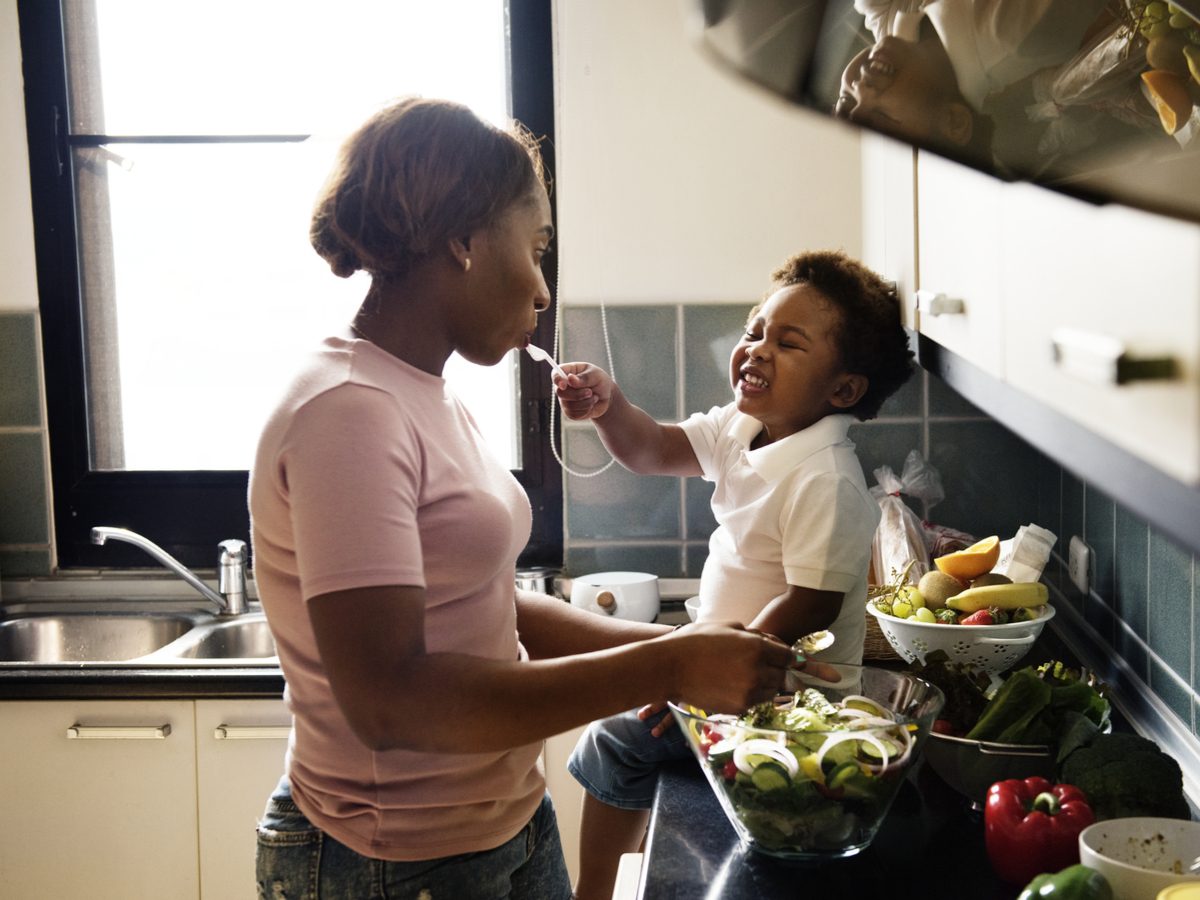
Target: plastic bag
[
  {"x": 900, "y": 537},
  {"x": 1100, "y": 81}
]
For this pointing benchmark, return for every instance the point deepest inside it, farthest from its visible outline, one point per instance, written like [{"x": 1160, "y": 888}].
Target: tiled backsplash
[
  {"x": 24, "y": 498},
  {"x": 672, "y": 360}
]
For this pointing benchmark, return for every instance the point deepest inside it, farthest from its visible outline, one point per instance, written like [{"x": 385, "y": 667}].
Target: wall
[{"x": 25, "y": 528}]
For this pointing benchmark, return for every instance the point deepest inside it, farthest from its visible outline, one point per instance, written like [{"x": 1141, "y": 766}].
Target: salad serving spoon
[{"x": 542, "y": 356}]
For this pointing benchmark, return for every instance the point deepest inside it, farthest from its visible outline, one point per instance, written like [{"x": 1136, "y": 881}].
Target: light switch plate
[{"x": 1080, "y": 563}]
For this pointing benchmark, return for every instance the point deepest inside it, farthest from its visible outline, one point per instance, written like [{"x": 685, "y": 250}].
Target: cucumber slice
[
  {"x": 724, "y": 747},
  {"x": 770, "y": 776},
  {"x": 842, "y": 774},
  {"x": 870, "y": 752}
]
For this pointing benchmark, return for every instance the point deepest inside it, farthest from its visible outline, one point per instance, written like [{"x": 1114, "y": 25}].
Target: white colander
[{"x": 993, "y": 648}]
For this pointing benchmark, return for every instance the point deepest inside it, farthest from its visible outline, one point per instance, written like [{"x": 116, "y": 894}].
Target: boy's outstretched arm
[
  {"x": 797, "y": 612},
  {"x": 628, "y": 432}
]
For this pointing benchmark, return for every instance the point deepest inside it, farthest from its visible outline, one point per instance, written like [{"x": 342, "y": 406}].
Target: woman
[{"x": 386, "y": 536}]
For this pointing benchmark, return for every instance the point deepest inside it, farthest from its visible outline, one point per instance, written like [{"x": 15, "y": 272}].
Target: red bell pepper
[{"x": 1032, "y": 826}]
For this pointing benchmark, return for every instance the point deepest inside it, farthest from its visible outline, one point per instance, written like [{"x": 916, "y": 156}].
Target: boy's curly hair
[{"x": 870, "y": 337}]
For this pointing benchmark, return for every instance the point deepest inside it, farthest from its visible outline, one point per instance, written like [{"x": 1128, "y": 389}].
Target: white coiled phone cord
[{"x": 559, "y": 292}]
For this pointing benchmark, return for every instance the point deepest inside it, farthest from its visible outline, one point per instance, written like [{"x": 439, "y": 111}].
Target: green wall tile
[
  {"x": 709, "y": 336},
  {"x": 23, "y": 515},
  {"x": 642, "y": 339},
  {"x": 24, "y": 563},
  {"x": 617, "y": 504},
  {"x": 663, "y": 560},
  {"x": 20, "y": 403}
]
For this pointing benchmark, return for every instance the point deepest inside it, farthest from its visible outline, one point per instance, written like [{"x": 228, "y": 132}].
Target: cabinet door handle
[
  {"x": 937, "y": 304},
  {"x": 1103, "y": 359},
  {"x": 252, "y": 732},
  {"x": 79, "y": 732}
]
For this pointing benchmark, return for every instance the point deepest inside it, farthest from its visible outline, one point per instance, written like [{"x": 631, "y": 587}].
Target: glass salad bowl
[{"x": 811, "y": 777}]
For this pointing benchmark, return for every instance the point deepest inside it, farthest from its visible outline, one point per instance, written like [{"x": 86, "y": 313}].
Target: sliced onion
[
  {"x": 763, "y": 747},
  {"x": 850, "y": 713},
  {"x": 870, "y": 721}
]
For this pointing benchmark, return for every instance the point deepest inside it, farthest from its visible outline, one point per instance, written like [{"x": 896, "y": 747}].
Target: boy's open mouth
[{"x": 750, "y": 379}]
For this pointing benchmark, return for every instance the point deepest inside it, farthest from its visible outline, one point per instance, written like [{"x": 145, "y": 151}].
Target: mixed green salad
[{"x": 809, "y": 774}]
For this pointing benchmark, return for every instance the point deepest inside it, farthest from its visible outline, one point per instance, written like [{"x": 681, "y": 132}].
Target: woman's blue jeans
[{"x": 297, "y": 861}]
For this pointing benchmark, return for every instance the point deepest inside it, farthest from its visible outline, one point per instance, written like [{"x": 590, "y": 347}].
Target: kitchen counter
[
  {"x": 92, "y": 682},
  {"x": 930, "y": 844}
]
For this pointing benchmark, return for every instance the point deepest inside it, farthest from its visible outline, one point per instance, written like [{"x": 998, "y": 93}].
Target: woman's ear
[
  {"x": 460, "y": 249},
  {"x": 849, "y": 390}
]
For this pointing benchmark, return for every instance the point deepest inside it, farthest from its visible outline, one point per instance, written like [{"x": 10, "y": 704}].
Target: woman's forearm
[{"x": 549, "y": 627}]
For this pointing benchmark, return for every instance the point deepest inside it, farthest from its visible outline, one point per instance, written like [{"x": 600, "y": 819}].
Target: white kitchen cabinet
[
  {"x": 240, "y": 749},
  {"x": 566, "y": 793},
  {"x": 127, "y": 799},
  {"x": 959, "y": 263},
  {"x": 99, "y": 799},
  {"x": 890, "y": 216},
  {"x": 1084, "y": 283}
]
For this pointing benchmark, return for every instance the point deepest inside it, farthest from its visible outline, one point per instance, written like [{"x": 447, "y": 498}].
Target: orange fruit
[
  {"x": 1169, "y": 94},
  {"x": 971, "y": 562}
]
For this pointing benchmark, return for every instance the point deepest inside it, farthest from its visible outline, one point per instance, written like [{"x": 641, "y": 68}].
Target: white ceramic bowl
[
  {"x": 692, "y": 606},
  {"x": 1141, "y": 855},
  {"x": 994, "y": 648}
]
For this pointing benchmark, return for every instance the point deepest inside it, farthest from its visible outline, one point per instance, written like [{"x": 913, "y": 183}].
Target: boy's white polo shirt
[{"x": 796, "y": 511}]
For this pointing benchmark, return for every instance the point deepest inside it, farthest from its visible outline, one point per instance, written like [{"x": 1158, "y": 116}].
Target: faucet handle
[{"x": 231, "y": 575}]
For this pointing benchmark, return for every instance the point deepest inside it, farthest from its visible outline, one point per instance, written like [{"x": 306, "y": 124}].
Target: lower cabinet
[
  {"x": 566, "y": 793},
  {"x": 129, "y": 799}
]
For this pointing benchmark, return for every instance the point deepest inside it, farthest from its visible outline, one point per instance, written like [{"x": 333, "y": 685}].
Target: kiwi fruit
[
  {"x": 938, "y": 587},
  {"x": 990, "y": 578}
]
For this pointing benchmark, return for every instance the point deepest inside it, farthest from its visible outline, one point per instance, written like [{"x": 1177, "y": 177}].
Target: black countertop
[
  {"x": 930, "y": 845},
  {"x": 91, "y": 682}
]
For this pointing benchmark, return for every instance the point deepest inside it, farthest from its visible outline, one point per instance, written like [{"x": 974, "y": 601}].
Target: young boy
[{"x": 795, "y": 518}]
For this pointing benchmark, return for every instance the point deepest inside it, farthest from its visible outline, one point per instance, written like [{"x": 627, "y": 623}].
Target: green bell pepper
[{"x": 1078, "y": 882}]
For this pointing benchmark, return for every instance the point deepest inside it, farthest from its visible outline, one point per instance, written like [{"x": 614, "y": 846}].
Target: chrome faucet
[{"x": 231, "y": 567}]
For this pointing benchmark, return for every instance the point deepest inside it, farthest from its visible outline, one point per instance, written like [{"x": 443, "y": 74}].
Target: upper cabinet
[
  {"x": 1101, "y": 318},
  {"x": 960, "y": 273},
  {"x": 1077, "y": 325}
]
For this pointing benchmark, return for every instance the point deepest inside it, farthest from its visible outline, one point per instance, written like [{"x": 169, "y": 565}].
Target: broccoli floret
[{"x": 1126, "y": 775}]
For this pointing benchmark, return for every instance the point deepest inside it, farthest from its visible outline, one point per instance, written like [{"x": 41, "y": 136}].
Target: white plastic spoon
[{"x": 542, "y": 356}]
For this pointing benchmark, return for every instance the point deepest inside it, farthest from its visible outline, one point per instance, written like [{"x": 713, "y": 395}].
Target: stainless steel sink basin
[
  {"x": 125, "y": 636},
  {"x": 245, "y": 637},
  {"x": 87, "y": 637}
]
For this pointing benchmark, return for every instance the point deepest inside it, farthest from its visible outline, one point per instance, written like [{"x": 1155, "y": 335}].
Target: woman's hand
[
  {"x": 725, "y": 668},
  {"x": 586, "y": 393}
]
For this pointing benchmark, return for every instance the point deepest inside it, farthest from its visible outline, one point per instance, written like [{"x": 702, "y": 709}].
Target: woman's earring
[{"x": 467, "y": 264}]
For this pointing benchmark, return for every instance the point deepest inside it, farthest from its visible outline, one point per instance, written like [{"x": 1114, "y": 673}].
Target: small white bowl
[
  {"x": 1141, "y": 855},
  {"x": 692, "y": 606}
]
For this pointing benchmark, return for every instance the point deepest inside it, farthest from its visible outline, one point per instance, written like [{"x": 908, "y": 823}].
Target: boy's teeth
[{"x": 754, "y": 380}]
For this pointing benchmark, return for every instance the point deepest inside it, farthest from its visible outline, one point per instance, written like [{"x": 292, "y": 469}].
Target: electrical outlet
[{"x": 1080, "y": 563}]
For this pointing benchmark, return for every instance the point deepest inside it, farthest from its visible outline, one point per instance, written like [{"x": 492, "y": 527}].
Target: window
[{"x": 175, "y": 150}]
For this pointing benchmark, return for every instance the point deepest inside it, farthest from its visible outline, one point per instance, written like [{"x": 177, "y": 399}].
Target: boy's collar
[{"x": 778, "y": 458}]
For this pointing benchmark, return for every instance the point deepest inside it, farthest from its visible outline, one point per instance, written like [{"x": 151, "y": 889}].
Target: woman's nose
[{"x": 541, "y": 301}]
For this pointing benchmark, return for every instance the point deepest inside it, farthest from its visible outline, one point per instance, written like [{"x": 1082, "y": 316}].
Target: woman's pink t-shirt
[{"x": 370, "y": 472}]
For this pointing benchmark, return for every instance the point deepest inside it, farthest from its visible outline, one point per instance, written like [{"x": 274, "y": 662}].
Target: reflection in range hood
[{"x": 1049, "y": 91}]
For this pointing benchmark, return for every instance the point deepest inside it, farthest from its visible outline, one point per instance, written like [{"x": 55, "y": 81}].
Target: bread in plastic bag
[{"x": 900, "y": 536}]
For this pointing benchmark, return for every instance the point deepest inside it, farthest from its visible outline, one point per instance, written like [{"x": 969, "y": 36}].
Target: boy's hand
[
  {"x": 665, "y": 724},
  {"x": 586, "y": 393}
]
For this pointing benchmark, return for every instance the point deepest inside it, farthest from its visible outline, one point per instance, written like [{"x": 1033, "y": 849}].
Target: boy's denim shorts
[
  {"x": 617, "y": 759},
  {"x": 297, "y": 861}
]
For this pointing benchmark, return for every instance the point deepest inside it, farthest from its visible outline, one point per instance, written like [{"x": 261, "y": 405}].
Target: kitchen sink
[
  {"x": 87, "y": 637},
  {"x": 125, "y": 638},
  {"x": 244, "y": 637}
]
